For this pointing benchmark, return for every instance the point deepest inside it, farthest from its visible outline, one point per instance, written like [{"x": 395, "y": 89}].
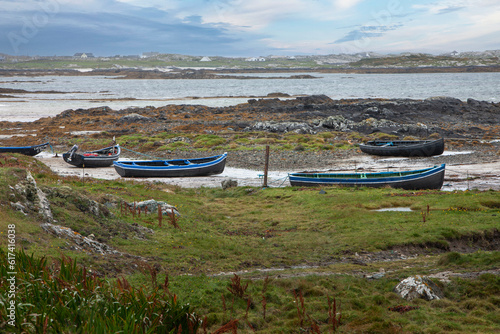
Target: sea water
[{"x": 118, "y": 93}]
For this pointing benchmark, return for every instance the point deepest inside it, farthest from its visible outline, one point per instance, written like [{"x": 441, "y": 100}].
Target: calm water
[{"x": 87, "y": 92}]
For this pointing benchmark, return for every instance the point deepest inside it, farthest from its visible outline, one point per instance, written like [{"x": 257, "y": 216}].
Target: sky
[{"x": 247, "y": 28}]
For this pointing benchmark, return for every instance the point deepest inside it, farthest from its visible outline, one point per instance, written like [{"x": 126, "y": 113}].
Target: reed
[{"x": 63, "y": 297}]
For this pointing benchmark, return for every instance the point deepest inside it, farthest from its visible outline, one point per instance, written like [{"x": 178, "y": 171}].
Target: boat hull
[
  {"x": 172, "y": 168},
  {"x": 100, "y": 158},
  {"x": 430, "y": 178},
  {"x": 404, "y": 148},
  {"x": 26, "y": 150}
]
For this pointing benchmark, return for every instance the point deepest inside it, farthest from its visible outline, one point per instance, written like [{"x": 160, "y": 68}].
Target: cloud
[
  {"x": 242, "y": 27},
  {"x": 346, "y": 4},
  {"x": 112, "y": 33},
  {"x": 449, "y": 6},
  {"x": 450, "y": 9},
  {"x": 366, "y": 32}
]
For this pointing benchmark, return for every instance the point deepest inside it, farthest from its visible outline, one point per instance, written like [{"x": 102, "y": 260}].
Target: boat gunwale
[
  {"x": 131, "y": 164},
  {"x": 424, "y": 173},
  {"x": 23, "y": 147}
]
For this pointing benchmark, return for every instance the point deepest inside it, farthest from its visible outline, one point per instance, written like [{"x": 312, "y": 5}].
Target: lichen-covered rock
[
  {"x": 32, "y": 198},
  {"x": 83, "y": 243},
  {"x": 282, "y": 127},
  {"x": 80, "y": 201},
  {"x": 337, "y": 123},
  {"x": 151, "y": 206},
  {"x": 135, "y": 118},
  {"x": 418, "y": 287}
]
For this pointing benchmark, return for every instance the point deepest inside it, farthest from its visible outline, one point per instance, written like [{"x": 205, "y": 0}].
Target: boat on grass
[
  {"x": 428, "y": 178},
  {"x": 99, "y": 158},
  {"x": 26, "y": 150},
  {"x": 172, "y": 168},
  {"x": 404, "y": 148}
]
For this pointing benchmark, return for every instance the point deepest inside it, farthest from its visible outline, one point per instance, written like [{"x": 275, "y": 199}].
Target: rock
[
  {"x": 151, "y": 206},
  {"x": 379, "y": 275},
  {"x": 282, "y": 127},
  {"x": 19, "y": 207},
  {"x": 314, "y": 99},
  {"x": 418, "y": 287},
  {"x": 444, "y": 100},
  {"x": 178, "y": 139},
  {"x": 230, "y": 183},
  {"x": 82, "y": 202},
  {"x": 337, "y": 123},
  {"x": 33, "y": 198},
  {"x": 84, "y": 243},
  {"x": 135, "y": 118}
]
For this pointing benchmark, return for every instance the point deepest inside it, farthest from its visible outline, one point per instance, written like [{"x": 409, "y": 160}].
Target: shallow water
[
  {"x": 401, "y": 209},
  {"x": 87, "y": 92}
]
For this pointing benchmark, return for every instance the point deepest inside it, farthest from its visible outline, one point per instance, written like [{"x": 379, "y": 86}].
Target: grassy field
[{"x": 246, "y": 260}]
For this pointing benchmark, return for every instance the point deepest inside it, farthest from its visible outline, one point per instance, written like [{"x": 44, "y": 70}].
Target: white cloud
[
  {"x": 443, "y": 6},
  {"x": 159, "y": 4},
  {"x": 346, "y": 4},
  {"x": 250, "y": 15}
]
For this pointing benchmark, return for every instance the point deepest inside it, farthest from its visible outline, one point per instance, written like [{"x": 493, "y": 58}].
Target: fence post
[
  {"x": 160, "y": 215},
  {"x": 266, "y": 166}
]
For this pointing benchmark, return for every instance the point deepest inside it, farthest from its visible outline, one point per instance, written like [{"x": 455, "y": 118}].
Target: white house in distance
[
  {"x": 150, "y": 54},
  {"x": 205, "y": 59},
  {"x": 256, "y": 59},
  {"x": 83, "y": 55}
]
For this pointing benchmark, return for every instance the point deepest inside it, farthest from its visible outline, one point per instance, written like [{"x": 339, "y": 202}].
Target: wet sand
[{"x": 459, "y": 176}]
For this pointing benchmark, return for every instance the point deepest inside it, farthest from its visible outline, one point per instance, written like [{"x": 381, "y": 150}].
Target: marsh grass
[{"x": 64, "y": 297}]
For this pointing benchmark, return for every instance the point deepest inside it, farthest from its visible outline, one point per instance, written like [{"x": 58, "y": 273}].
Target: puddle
[
  {"x": 79, "y": 133},
  {"x": 394, "y": 209}
]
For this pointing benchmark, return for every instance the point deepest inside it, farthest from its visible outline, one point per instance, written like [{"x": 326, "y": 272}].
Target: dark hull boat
[
  {"x": 428, "y": 178},
  {"x": 172, "y": 168},
  {"x": 26, "y": 150},
  {"x": 99, "y": 158},
  {"x": 404, "y": 148}
]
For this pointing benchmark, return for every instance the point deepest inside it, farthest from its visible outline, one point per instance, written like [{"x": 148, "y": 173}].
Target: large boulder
[{"x": 418, "y": 287}]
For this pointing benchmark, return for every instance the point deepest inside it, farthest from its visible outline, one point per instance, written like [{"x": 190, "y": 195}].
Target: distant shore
[{"x": 218, "y": 73}]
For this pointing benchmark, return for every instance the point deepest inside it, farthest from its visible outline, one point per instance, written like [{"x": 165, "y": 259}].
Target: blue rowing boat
[
  {"x": 428, "y": 178},
  {"x": 171, "y": 168},
  {"x": 26, "y": 150}
]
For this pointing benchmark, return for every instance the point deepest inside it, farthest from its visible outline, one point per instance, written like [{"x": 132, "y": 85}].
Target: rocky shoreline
[{"x": 470, "y": 128}]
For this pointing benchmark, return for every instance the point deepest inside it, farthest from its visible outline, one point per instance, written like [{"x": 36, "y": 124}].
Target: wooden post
[
  {"x": 266, "y": 166},
  {"x": 160, "y": 215}
]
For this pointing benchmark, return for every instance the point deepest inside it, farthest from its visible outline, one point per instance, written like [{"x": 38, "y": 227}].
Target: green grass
[
  {"x": 228, "y": 141},
  {"x": 289, "y": 247},
  {"x": 65, "y": 298}
]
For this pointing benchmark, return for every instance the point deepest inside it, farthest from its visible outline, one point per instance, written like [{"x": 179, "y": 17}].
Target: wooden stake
[
  {"x": 266, "y": 166},
  {"x": 160, "y": 215}
]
